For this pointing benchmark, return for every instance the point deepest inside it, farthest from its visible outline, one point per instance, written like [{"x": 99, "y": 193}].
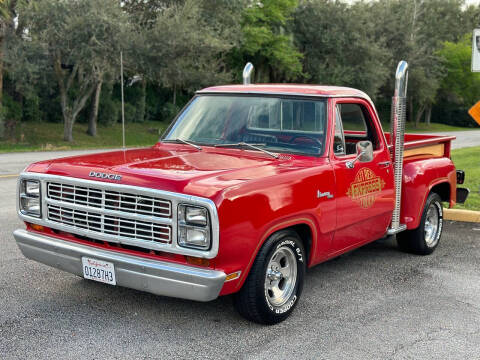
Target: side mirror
[{"x": 364, "y": 153}]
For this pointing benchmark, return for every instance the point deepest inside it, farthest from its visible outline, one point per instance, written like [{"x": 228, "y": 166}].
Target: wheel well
[
  {"x": 305, "y": 233},
  {"x": 443, "y": 190}
]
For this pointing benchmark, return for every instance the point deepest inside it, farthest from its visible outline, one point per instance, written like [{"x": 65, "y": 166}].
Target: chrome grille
[
  {"x": 113, "y": 225},
  {"x": 114, "y": 200},
  {"x": 113, "y": 215}
]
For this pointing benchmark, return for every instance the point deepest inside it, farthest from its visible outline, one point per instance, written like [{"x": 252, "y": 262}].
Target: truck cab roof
[{"x": 288, "y": 89}]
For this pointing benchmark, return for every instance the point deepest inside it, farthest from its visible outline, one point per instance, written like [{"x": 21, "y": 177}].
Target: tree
[
  {"x": 267, "y": 42},
  {"x": 182, "y": 51},
  {"x": 338, "y": 45},
  {"x": 81, "y": 40},
  {"x": 7, "y": 15},
  {"x": 460, "y": 85},
  {"x": 410, "y": 29}
]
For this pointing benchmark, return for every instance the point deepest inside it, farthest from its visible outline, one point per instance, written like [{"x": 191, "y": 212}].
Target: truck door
[{"x": 364, "y": 193}]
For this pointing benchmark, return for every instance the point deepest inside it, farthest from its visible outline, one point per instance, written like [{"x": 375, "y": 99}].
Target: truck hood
[{"x": 173, "y": 167}]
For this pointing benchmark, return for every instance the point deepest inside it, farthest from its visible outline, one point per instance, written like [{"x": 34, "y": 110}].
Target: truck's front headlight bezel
[
  {"x": 30, "y": 197},
  {"x": 194, "y": 227}
]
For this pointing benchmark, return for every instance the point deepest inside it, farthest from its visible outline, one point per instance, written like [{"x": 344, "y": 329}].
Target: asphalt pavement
[
  {"x": 464, "y": 139},
  {"x": 374, "y": 303}
]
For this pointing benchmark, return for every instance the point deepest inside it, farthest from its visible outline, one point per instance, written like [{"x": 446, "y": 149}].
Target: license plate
[{"x": 98, "y": 270}]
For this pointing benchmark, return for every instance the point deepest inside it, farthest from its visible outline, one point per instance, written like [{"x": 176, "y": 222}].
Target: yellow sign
[
  {"x": 475, "y": 112},
  {"x": 365, "y": 188}
]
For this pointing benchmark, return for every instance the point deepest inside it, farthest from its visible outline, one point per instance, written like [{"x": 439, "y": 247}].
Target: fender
[
  {"x": 420, "y": 177},
  {"x": 280, "y": 225},
  {"x": 277, "y": 225}
]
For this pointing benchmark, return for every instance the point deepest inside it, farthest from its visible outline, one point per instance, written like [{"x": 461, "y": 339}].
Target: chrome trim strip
[
  {"x": 156, "y": 277},
  {"x": 174, "y": 198}
]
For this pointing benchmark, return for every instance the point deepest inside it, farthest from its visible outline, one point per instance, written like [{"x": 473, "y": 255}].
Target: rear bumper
[{"x": 156, "y": 277}]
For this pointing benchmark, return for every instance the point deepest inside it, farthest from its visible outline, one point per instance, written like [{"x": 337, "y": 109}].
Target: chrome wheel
[
  {"x": 432, "y": 221},
  {"x": 281, "y": 276}
]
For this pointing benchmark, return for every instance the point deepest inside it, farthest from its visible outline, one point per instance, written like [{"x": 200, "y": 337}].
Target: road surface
[{"x": 464, "y": 139}]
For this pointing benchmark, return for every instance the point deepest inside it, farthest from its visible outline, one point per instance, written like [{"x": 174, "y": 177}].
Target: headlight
[
  {"x": 194, "y": 215},
  {"x": 193, "y": 227},
  {"x": 30, "y": 198}
]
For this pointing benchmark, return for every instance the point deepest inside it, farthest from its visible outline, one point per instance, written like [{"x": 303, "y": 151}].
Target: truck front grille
[
  {"x": 119, "y": 216},
  {"x": 113, "y": 200},
  {"x": 113, "y": 225}
]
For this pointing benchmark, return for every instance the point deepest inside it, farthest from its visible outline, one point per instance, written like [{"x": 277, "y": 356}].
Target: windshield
[{"x": 277, "y": 124}]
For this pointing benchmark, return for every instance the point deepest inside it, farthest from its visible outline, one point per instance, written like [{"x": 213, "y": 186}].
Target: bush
[
  {"x": 108, "y": 110},
  {"x": 31, "y": 109},
  {"x": 130, "y": 113},
  {"x": 169, "y": 111}
]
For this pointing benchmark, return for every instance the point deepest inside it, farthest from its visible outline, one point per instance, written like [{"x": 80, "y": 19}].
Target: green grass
[
  {"x": 468, "y": 160},
  {"x": 49, "y": 136}
]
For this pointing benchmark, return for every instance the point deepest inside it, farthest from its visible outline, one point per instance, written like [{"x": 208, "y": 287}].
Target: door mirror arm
[
  {"x": 364, "y": 154},
  {"x": 351, "y": 163}
]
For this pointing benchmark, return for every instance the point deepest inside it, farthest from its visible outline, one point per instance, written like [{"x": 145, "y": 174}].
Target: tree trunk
[
  {"x": 174, "y": 94},
  {"x": 419, "y": 115},
  {"x": 428, "y": 115},
  {"x": 67, "y": 128},
  {"x": 92, "y": 118}
]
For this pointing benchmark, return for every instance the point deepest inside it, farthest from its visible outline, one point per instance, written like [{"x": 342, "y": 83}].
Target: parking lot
[{"x": 375, "y": 302}]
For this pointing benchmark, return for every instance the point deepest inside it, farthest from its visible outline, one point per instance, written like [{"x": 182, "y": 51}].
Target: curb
[{"x": 461, "y": 215}]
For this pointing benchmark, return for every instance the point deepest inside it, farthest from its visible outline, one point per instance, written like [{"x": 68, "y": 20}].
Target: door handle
[{"x": 384, "y": 164}]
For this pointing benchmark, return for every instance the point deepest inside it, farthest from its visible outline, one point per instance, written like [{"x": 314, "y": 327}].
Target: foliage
[
  {"x": 267, "y": 42},
  {"x": 183, "y": 51},
  {"x": 460, "y": 85},
  {"x": 338, "y": 45},
  {"x": 110, "y": 108},
  {"x": 56, "y": 52},
  {"x": 81, "y": 40}
]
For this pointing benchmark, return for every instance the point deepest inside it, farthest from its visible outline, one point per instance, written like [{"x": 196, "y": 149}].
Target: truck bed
[{"x": 425, "y": 145}]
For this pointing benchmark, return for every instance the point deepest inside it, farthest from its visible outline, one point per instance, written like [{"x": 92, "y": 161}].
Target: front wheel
[
  {"x": 275, "y": 281},
  {"x": 424, "y": 239}
]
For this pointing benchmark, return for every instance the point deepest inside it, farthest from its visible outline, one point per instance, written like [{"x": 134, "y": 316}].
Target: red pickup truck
[{"x": 249, "y": 186}]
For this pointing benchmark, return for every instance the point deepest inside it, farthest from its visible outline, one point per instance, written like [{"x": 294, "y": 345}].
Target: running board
[{"x": 400, "y": 228}]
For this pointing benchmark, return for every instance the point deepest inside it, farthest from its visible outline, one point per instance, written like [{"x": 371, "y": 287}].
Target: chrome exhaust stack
[
  {"x": 247, "y": 73},
  {"x": 397, "y": 137}
]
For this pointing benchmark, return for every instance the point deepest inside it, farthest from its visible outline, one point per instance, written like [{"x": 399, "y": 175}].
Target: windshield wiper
[
  {"x": 178, "y": 140},
  {"x": 252, "y": 146}
]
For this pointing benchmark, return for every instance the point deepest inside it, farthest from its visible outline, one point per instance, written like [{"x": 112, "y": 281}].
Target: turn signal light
[
  {"x": 37, "y": 227},
  {"x": 233, "y": 276},
  {"x": 197, "y": 261}
]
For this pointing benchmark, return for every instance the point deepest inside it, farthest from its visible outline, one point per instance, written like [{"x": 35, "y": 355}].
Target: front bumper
[{"x": 156, "y": 277}]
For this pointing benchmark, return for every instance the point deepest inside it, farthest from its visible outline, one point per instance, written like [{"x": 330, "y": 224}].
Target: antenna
[{"x": 123, "y": 103}]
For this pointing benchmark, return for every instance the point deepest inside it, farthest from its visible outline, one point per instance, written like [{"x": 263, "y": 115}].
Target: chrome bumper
[{"x": 156, "y": 277}]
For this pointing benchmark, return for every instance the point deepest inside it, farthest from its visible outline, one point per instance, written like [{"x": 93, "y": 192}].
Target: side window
[
  {"x": 338, "y": 139},
  {"x": 357, "y": 126},
  {"x": 353, "y": 118}
]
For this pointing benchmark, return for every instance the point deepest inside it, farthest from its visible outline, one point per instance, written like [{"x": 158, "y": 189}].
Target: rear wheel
[
  {"x": 275, "y": 281},
  {"x": 424, "y": 239}
]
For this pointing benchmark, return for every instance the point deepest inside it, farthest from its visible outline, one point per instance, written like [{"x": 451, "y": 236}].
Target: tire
[
  {"x": 425, "y": 238},
  {"x": 275, "y": 282}
]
